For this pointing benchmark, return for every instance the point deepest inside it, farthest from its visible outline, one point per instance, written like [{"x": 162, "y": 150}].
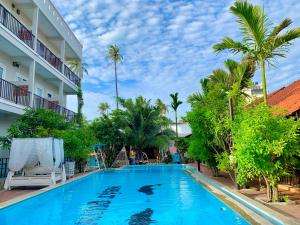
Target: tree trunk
[
  {"x": 264, "y": 82},
  {"x": 116, "y": 80},
  {"x": 269, "y": 191},
  {"x": 198, "y": 165},
  {"x": 231, "y": 116},
  {"x": 274, "y": 193},
  {"x": 176, "y": 124},
  {"x": 259, "y": 184}
]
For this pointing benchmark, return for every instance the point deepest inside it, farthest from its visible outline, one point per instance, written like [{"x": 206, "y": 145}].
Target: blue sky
[{"x": 166, "y": 45}]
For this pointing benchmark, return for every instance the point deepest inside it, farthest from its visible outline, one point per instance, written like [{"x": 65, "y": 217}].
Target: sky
[{"x": 166, "y": 46}]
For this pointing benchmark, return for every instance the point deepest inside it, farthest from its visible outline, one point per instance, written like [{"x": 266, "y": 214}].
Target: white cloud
[{"x": 166, "y": 45}]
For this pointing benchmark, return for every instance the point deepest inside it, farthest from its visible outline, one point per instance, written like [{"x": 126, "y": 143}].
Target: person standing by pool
[{"x": 132, "y": 156}]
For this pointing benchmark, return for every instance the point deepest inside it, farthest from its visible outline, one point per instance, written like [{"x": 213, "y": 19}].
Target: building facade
[{"x": 35, "y": 46}]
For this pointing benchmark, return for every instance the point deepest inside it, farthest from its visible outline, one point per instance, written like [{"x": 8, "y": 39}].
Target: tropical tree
[
  {"x": 266, "y": 144},
  {"x": 261, "y": 42},
  {"x": 175, "y": 104},
  {"x": 115, "y": 56},
  {"x": 145, "y": 126},
  {"x": 79, "y": 68},
  {"x": 161, "y": 106},
  {"x": 104, "y": 107}
]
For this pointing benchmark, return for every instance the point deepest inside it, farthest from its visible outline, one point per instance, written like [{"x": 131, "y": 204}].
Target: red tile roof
[{"x": 287, "y": 98}]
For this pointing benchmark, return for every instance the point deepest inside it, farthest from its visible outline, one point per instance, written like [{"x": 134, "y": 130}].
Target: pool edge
[
  {"x": 33, "y": 194},
  {"x": 264, "y": 212}
]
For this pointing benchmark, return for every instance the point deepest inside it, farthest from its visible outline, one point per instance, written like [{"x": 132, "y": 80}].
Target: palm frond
[
  {"x": 284, "y": 24},
  {"x": 231, "y": 65},
  {"x": 114, "y": 53},
  {"x": 253, "y": 22},
  {"x": 231, "y": 45},
  {"x": 285, "y": 39}
]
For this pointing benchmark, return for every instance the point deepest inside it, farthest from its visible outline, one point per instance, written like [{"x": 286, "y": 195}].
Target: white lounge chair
[{"x": 39, "y": 159}]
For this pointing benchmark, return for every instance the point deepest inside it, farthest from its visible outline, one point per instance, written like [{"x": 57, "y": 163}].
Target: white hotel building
[{"x": 35, "y": 46}]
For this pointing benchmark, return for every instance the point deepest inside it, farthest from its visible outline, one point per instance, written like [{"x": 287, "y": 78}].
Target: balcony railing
[
  {"x": 45, "y": 53},
  {"x": 71, "y": 75},
  {"x": 17, "y": 28},
  {"x": 68, "y": 114},
  {"x": 16, "y": 94},
  {"x": 21, "y": 96}
]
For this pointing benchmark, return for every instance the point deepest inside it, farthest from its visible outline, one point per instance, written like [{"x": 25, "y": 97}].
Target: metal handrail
[
  {"x": 16, "y": 27},
  {"x": 13, "y": 93},
  {"x": 71, "y": 75},
  {"x": 21, "y": 96},
  {"x": 49, "y": 56}
]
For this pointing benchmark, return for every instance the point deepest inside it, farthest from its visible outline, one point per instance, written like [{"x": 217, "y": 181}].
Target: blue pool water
[{"x": 138, "y": 195}]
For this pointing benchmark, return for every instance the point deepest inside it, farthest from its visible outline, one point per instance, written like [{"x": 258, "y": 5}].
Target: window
[
  {"x": 39, "y": 92},
  {"x": 1, "y": 72}
]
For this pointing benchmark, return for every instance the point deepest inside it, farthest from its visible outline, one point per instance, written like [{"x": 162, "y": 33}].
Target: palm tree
[
  {"x": 104, "y": 107},
  {"x": 163, "y": 108},
  {"x": 115, "y": 56},
  {"x": 260, "y": 42},
  {"x": 175, "y": 104},
  {"x": 79, "y": 68},
  {"x": 145, "y": 127}
]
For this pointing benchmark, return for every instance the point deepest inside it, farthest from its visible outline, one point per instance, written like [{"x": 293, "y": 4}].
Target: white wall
[{"x": 10, "y": 73}]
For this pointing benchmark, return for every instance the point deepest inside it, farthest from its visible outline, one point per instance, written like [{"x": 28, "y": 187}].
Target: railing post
[{"x": 16, "y": 93}]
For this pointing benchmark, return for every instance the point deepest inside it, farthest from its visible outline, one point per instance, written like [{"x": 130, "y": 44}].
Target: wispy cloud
[{"x": 166, "y": 45}]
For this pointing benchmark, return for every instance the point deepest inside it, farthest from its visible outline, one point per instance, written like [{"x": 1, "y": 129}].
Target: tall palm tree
[
  {"x": 115, "y": 56},
  {"x": 163, "y": 108},
  {"x": 175, "y": 104},
  {"x": 260, "y": 41},
  {"x": 104, "y": 107}
]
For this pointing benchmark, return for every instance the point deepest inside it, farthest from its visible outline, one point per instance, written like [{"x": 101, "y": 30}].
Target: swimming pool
[{"x": 136, "y": 195}]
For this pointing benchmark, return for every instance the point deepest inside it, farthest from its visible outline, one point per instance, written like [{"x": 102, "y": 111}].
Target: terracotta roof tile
[{"x": 287, "y": 98}]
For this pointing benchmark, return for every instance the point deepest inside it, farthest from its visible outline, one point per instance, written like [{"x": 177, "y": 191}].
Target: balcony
[
  {"x": 71, "y": 75},
  {"x": 26, "y": 36},
  {"x": 17, "y": 28},
  {"x": 46, "y": 54},
  {"x": 21, "y": 96},
  {"x": 15, "y": 94}
]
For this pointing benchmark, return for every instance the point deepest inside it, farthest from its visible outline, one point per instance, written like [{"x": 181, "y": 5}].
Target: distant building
[
  {"x": 287, "y": 98},
  {"x": 184, "y": 129},
  {"x": 253, "y": 92}
]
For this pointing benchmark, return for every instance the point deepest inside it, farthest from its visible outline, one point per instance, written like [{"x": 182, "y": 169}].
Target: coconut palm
[
  {"x": 78, "y": 67},
  {"x": 163, "y": 108},
  {"x": 175, "y": 104},
  {"x": 115, "y": 56},
  {"x": 261, "y": 42},
  {"x": 104, "y": 107},
  {"x": 145, "y": 126}
]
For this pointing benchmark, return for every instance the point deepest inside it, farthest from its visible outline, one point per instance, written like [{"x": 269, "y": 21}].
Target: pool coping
[
  {"x": 247, "y": 204},
  {"x": 24, "y": 197}
]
